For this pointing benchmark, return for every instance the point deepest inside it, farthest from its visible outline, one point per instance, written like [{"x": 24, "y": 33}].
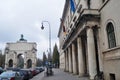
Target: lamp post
[{"x": 42, "y": 27}]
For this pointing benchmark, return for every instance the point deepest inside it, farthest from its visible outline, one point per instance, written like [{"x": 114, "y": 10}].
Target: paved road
[{"x": 58, "y": 75}]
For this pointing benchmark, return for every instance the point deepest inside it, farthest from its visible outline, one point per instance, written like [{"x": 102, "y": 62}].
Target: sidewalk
[{"x": 59, "y": 75}]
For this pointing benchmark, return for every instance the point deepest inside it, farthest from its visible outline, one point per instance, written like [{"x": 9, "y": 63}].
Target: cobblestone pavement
[{"x": 58, "y": 75}]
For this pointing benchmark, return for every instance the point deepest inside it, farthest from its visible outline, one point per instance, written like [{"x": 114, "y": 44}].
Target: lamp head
[{"x": 42, "y": 27}]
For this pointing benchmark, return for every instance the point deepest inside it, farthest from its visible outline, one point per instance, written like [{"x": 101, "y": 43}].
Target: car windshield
[
  {"x": 7, "y": 74},
  {"x": 0, "y": 68}
]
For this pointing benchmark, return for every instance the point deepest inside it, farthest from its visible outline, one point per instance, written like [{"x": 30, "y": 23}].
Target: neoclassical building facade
[
  {"x": 20, "y": 54},
  {"x": 89, "y": 38}
]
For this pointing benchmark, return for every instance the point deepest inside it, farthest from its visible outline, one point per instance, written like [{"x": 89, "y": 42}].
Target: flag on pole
[
  {"x": 72, "y": 5},
  {"x": 63, "y": 27}
]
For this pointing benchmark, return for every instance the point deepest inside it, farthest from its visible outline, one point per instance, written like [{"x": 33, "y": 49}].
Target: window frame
[{"x": 111, "y": 35}]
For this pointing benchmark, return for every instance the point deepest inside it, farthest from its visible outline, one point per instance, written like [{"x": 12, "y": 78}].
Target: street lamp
[{"x": 42, "y": 27}]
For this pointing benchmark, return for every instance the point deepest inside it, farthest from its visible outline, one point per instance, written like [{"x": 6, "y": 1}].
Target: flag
[
  {"x": 64, "y": 30},
  {"x": 72, "y": 5},
  {"x": 63, "y": 27}
]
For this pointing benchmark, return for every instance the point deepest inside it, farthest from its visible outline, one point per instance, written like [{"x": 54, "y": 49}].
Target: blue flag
[{"x": 72, "y": 5}]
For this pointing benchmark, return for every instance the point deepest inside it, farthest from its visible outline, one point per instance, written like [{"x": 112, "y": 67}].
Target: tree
[
  {"x": 44, "y": 58},
  {"x": 55, "y": 58},
  {"x": 2, "y": 59},
  {"x": 39, "y": 62}
]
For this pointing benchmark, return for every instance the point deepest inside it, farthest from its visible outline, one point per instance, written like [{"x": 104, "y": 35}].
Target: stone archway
[
  {"x": 22, "y": 53},
  {"x": 10, "y": 63},
  {"x": 20, "y": 61},
  {"x": 29, "y": 63}
]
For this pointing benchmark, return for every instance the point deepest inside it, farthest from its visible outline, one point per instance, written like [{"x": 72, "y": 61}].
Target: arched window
[{"x": 111, "y": 35}]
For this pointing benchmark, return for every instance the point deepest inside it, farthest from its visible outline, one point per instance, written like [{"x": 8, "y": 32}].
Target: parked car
[
  {"x": 40, "y": 69},
  {"x": 37, "y": 70},
  {"x": 10, "y": 75},
  {"x": 1, "y": 70},
  {"x": 13, "y": 69},
  {"x": 20, "y": 72},
  {"x": 34, "y": 72},
  {"x": 26, "y": 73}
]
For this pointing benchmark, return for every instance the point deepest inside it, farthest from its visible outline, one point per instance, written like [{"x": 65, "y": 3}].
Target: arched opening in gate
[
  {"x": 10, "y": 63},
  {"x": 29, "y": 63},
  {"x": 20, "y": 61}
]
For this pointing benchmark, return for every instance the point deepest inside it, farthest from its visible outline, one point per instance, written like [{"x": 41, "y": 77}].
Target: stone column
[
  {"x": 67, "y": 61},
  {"x": 74, "y": 60},
  {"x": 91, "y": 53},
  {"x": 14, "y": 60},
  {"x": 33, "y": 65},
  {"x": 6, "y": 60},
  {"x": 25, "y": 60},
  {"x": 25, "y": 65},
  {"x": 80, "y": 57},
  {"x": 70, "y": 70},
  {"x": 33, "y": 60},
  {"x": 71, "y": 59},
  {"x": 66, "y": 68},
  {"x": 64, "y": 61}
]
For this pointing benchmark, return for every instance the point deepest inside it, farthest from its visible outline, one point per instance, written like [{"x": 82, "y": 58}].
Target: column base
[
  {"x": 65, "y": 70},
  {"x": 91, "y": 78},
  {"x": 81, "y": 74},
  {"x": 70, "y": 72},
  {"x": 74, "y": 73}
]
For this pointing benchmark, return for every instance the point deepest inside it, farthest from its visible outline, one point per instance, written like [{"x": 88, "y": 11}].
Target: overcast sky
[{"x": 25, "y": 16}]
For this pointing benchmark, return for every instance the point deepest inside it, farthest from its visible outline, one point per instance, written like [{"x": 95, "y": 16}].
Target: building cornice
[{"x": 86, "y": 15}]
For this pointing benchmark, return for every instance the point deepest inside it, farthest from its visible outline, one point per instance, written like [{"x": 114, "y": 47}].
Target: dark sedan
[{"x": 10, "y": 75}]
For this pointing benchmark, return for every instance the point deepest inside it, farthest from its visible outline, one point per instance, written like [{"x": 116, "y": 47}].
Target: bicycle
[{"x": 99, "y": 76}]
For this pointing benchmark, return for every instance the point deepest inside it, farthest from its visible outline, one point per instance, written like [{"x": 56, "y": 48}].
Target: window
[
  {"x": 111, "y": 35},
  {"x": 103, "y": 1},
  {"x": 112, "y": 76}
]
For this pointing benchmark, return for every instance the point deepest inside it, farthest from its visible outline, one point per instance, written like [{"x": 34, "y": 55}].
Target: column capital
[{"x": 92, "y": 24}]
